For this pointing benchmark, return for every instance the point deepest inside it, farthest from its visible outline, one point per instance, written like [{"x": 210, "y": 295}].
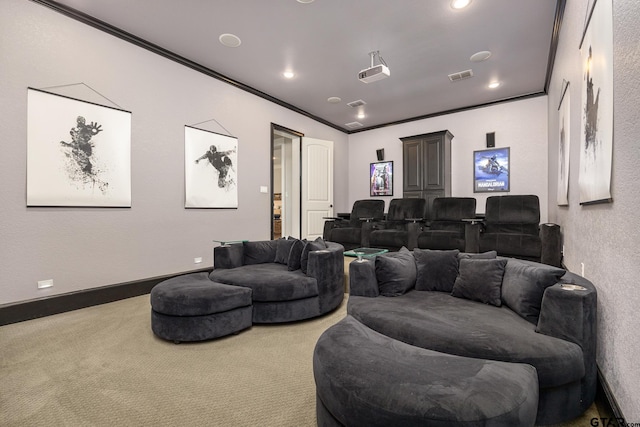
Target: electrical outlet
[
  {"x": 197, "y": 260},
  {"x": 563, "y": 252},
  {"x": 42, "y": 284},
  {"x": 582, "y": 269}
]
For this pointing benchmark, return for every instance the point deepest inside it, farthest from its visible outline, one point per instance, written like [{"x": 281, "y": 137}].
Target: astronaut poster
[
  {"x": 211, "y": 169},
  {"x": 78, "y": 153}
]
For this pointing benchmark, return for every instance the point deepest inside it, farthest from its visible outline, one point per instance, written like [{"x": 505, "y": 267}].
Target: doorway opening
[{"x": 285, "y": 182}]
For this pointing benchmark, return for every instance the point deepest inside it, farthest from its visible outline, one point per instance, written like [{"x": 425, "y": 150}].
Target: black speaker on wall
[
  {"x": 491, "y": 140},
  {"x": 380, "y": 154}
]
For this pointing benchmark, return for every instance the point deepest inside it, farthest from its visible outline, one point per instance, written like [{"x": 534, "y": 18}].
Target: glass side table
[
  {"x": 229, "y": 242},
  {"x": 362, "y": 253}
]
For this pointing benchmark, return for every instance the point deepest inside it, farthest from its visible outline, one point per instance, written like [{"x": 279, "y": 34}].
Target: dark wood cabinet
[{"x": 426, "y": 166}]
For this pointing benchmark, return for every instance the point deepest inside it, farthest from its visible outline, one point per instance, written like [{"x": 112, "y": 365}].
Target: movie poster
[
  {"x": 381, "y": 179},
  {"x": 491, "y": 170}
]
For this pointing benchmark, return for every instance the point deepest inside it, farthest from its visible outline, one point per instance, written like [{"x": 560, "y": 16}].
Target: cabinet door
[
  {"x": 434, "y": 164},
  {"x": 412, "y": 171}
]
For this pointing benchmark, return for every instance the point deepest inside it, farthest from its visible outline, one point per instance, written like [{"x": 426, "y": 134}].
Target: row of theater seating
[{"x": 511, "y": 226}]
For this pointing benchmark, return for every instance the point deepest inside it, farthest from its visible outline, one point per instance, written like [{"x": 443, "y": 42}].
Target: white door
[{"x": 317, "y": 185}]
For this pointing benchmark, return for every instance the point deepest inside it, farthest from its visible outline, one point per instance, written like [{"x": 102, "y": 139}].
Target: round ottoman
[
  {"x": 364, "y": 378},
  {"x": 193, "y": 308}
]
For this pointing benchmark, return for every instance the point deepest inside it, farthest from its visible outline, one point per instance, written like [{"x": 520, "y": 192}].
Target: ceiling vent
[
  {"x": 353, "y": 125},
  {"x": 357, "y": 103},
  {"x": 461, "y": 75}
]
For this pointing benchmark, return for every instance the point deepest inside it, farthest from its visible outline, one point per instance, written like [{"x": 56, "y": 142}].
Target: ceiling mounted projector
[{"x": 375, "y": 72}]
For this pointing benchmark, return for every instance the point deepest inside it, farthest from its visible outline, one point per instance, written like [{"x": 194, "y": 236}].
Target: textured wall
[
  {"x": 521, "y": 125},
  {"x": 85, "y": 248},
  {"x": 605, "y": 237}
]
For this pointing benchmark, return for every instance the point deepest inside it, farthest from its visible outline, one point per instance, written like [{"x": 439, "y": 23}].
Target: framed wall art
[
  {"x": 78, "y": 153},
  {"x": 564, "y": 145},
  {"x": 491, "y": 170},
  {"x": 211, "y": 169},
  {"x": 596, "y": 145},
  {"x": 381, "y": 179}
]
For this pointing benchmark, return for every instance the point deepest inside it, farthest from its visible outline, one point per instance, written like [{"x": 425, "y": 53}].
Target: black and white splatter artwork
[
  {"x": 222, "y": 163},
  {"x": 81, "y": 162}
]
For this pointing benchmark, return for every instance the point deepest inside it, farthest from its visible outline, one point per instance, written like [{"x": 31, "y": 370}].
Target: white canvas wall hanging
[
  {"x": 78, "y": 153},
  {"x": 596, "y": 145},
  {"x": 211, "y": 169},
  {"x": 564, "y": 146}
]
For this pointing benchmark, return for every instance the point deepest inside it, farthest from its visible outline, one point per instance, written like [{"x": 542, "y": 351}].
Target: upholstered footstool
[
  {"x": 193, "y": 308},
  {"x": 364, "y": 378}
]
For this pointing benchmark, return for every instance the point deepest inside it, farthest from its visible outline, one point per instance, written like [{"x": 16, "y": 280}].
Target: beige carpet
[{"x": 102, "y": 366}]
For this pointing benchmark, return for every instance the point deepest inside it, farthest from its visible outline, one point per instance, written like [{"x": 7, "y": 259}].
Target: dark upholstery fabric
[
  {"x": 527, "y": 246},
  {"x": 524, "y": 284},
  {"x": 293, "y": 260},
  {"x": 440, "y": 322},
  {"x": 195, "y": 295},
  {"x": 228, "y": 256},
  {"x": 349, "y": 233},
  {"x": 259, "y": 252},
  {"x": 392, "y": 233},
  {"x": 200, "y": 328},
  {"x": 362, "y": 278},
  {"x": 283, "y": 247},
  {"x": 269, "y": 281},
  {"x": 483, "y": 255},
  {"x": 396, "y": 272},
  {"x": 517, "y": 209},
  {"x": 446, "y": 230},
  {"x": 364, "y": 378},
  {"x": 436, "y": 270},
  {"x": 480, "y": 280},
  {"x": 315, "y": 245}
]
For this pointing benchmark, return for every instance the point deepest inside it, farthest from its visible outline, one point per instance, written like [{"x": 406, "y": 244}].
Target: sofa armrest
[
  {"x": 228, "y": 256},
  {"x": 327, "y": 267},
  {"x": 551, "y": 239},
  {"x": 362, "y": 278}
]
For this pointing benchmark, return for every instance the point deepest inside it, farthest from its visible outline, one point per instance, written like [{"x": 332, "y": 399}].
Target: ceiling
[{"x": 327, "y": 42}]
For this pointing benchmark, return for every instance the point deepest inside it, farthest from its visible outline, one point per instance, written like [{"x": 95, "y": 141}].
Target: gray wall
[
  {"x": 520, "y": 125},
  {"x": 85, "y": 248},
  {"x": 605, "y": 237}
]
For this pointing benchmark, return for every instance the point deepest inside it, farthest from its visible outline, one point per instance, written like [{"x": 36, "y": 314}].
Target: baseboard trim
[
  {"x": 41, "y": 307},
  {"x": 606, "y": 402}
]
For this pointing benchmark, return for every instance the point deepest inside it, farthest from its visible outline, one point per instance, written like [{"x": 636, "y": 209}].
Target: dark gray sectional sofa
[
  {"x": 503, "y": 310},
  {"x": 290, "y": 279}
]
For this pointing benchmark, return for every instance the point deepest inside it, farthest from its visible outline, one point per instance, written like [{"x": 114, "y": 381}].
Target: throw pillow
[
  {"x": 524, "y": 284},
  {"x": 316, "y": 245},
  {"x": 396, "y": 272},
  {"x": 293, "y": 262},
  {"x": 483, "y": 255},
  {"x": 283, "y": 248},
  {"x": 480, "y": 280},
  {"x": 436, "y": 270},
  {"x": 259, "y": 252}
]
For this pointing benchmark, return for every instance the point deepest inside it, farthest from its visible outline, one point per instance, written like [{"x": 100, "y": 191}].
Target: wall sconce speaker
[
  {"x": 380, "y": 154},
  {"x": 491, "y": 140}
]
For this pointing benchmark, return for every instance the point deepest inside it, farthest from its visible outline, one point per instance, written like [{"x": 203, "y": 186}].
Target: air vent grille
[
  {"x": 353, "y": 125},
  {"x": 461, "y": 75},
  {"x": 357, "y": 103}
]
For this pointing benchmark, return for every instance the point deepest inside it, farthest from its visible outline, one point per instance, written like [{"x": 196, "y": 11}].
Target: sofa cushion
[
  {"x": 269, "y": 282},
  {"x": 483, "y": 255},
  {"x": 293, "y": 261},
  {"x": 480, "y": 280},
  {"x": 396, "y": 272},
  {"x": 259, "y": 252},
  {"x": 440, "y": 322},
  {"x": 316, "y": 245},
  {"x": 436, "y": 270},
  {"x": 283, "y": 247},
  {"x": 524, "y": 284}
]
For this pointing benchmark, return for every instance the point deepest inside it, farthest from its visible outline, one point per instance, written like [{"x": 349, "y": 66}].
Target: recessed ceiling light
[
  {"x": 480, "y": 56},
  {"x": 230, "y": 40},
  {"x": 361, "y": 115},
  {"x": 494, "y": 85},
  {"x": 460, "y": 4},
  {"x": 305, "y": 1},
  {"x": 289, "y": 74},
  {"x": 334, "y": 100}
]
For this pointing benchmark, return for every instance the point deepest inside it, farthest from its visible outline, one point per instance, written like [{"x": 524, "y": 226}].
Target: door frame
[{"x": 276, "y": 127}]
